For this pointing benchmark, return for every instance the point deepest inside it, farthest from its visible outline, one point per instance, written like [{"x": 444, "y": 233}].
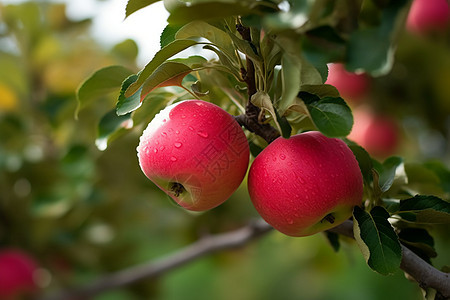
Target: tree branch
[
  {"x": 426, "y": 275},
  {"x": 202, "y": 247}
]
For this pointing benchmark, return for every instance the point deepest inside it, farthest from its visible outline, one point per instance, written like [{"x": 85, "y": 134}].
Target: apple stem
[
  {"x": 177, "y": 188},
  {"x": 330, "y": 218}
]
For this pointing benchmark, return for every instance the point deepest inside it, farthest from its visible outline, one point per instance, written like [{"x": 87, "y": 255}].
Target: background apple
[
  {"x": 378, "y": 134},
  {"x": 195, "y": 152},
  {"x": 428, "y": 15},
  {"x": 16, "y": 274},
  {"x": 305, "y": 184},
  {"x": 352, "y": 87}
]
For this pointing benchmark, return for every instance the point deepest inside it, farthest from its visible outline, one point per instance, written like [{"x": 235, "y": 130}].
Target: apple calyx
[
  {"x": 177, "y": 188},
  {"x": 329, "y": 218}
]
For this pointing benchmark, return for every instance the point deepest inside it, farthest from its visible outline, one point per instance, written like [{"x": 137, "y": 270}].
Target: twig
[{"x": 250, "y": 119}]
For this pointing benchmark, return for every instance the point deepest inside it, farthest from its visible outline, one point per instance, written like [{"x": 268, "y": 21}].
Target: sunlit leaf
[
  {"x": 377, "y": 240},
  {"x": 103, "y": 81},
  {"x": 128, "y": 104},
  {"x": 160, "y": 57},
  {"x": 167, "y": 74},
  {"x": 213, "y": 34},
  {"x": 135, "y": 5}
]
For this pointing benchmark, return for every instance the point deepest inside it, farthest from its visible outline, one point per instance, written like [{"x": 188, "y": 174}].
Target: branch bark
[{"x": 426, "y": 275}]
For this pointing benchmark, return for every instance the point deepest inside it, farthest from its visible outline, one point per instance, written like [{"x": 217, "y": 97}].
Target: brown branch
[
  {"x": 250, "y": 120},
  {"x": 202, "y": 247},
  {"x": 426, "y": 275}
]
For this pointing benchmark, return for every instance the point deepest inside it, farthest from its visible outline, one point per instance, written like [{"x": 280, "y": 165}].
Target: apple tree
[{"x": 251, "y": 85}]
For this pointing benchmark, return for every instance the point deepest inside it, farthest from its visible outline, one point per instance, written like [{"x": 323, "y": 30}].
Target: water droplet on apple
[
  {"x": 177, "y": 131},
  {"x": 178, "y": 145},
  {"x": 162, "y": 148},
  {"x": 282, "y": 156},
  {"x": 173, "y": 158},
  {"x": 155, "y": 150},
  {"x": 163, "y": 134},
  {"x": 156, "y": 143},
  {"x": 199, "y": 103},
  {"x": 191, "y": 128},
  {"x": 183, "y": 116},
  {"x": 202, "y": 134},
  {"x": 290, "y": 221}
]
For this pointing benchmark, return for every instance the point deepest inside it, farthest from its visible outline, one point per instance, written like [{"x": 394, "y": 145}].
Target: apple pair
[{"x": 198, "y": 154}]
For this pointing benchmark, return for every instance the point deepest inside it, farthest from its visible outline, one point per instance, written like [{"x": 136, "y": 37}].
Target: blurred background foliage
[{"x": 80, "y": 212}]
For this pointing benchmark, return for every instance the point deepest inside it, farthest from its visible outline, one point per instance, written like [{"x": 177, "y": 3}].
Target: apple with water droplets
[
  {"x": 305, "y": 184},
  {"x": 195, "y": 152}
]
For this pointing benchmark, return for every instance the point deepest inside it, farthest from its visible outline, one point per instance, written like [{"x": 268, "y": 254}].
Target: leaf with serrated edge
[
  {"x": 135, "y": 5},
  {"x": 160, "y": 57},
  {"x": 377, "y": 240},
  {"x": 167, "y": 74},
  {"x": 426, "y": 209}
]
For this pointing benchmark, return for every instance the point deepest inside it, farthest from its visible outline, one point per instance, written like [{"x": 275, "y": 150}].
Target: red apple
[
  {"x": 377, "y": 133},
  {"x": 305, "y": 184},
  {"x": 428, "y": 15},
  {"x": 16, "y": 274},
  {"x": 195, "y": 152},
  {"x": 352, "y": 87}
]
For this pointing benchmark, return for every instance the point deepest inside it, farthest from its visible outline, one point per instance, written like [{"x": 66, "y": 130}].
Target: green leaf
[
  {"x": 331, "y": 116},
  {"x": 167, "y": 74},
  {"x": 102, "y": 82},
  {"x": 168, "y": 35},
  {"x": 391, "y": 169},
  {"x": 109, "y": 126},
  {"x": 333, "y": 238},
  {"x": 135, "y": 5},
  {"x": 370, "y": 51},
  {"x": 216, "y": 36},
  {"x": 364, "y": 161},
  {"x": 425, "y": 209},
  {"x": 128, "y": 104},
  {"x": 151, "y": 105},
  {"x": 254, "y": 148},
  {"x": 290, "y": 82},
  {"x": 419, "y": 241},
  {"x": 377, "y": 240},
  {"x": 262, "y": 100},
  {"x": 160, "y": 57},
  {"x": 182, "y": 14}
]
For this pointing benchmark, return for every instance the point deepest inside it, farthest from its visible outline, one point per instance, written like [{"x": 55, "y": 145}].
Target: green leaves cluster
[
  {"x": 396, "y": 212},
  {"x": 289, "y": 44}
]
